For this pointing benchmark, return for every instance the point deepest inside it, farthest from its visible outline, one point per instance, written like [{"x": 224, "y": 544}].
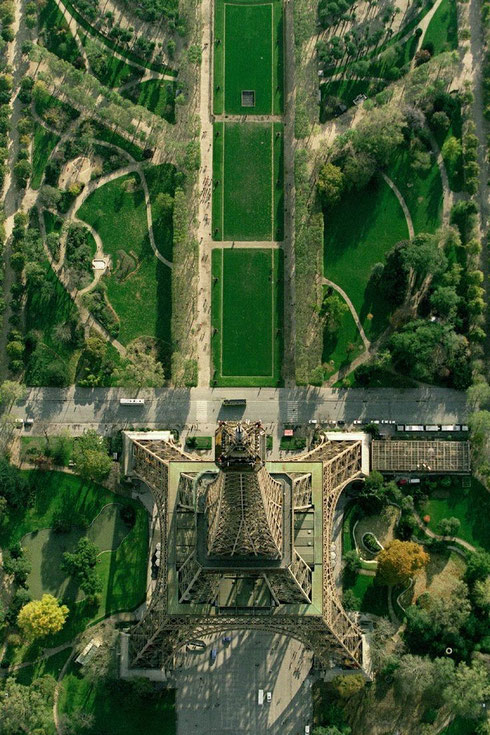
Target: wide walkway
[{"x": 221, "y": 698}]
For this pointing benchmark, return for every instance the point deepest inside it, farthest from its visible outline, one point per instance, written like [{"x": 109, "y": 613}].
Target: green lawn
[
  {"x": 49, "y": 666},
  {"x": 342, "y": 346},
  {"x": 139, "y": 285},
  {"x": 247, "y": 309},
  {"x": 358, "y": 232},
  {"x": 460, "y": 727},
  {"x": 248, "y": 53},
  {"x": 43, "y": 144},
  {"x": 116, "y": 713},
  {"x": 470, "y": 505},
  {"x": 161, "y": 180},
  {"x": 57, "y": 35},
  {"x": 442, "y": 32},
  {"x": 157, "y": 96},
  {"x": 107, "y": 68},
  {"x": 422, "y": 192},
  {"x": 122, "y": 571},
  {"x": 373, "y": 598},
  {"x": 248, "y": 181}
]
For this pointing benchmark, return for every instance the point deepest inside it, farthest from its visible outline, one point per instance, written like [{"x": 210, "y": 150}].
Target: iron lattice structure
[{"x": 238, "y": 525}]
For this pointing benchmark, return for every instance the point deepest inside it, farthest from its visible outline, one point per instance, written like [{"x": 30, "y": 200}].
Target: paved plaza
[{"x": 221, "y": 698}]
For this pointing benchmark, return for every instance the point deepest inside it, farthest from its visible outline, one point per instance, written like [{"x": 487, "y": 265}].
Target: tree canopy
[
  {"x": 400, "y": 560},
  {"x": 42, "y": 617}
]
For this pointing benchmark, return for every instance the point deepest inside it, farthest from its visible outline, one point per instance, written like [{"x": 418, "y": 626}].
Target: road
[{"x": 200, "y": 408}]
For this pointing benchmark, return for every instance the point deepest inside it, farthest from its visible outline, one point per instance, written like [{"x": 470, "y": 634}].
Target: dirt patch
[
  {"x": 441, "y": 575},
  {"x": 78, "y": 171},
  {"x": 382, "y": 525}
]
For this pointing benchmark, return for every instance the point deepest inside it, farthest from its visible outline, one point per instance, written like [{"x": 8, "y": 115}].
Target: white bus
[
  {"x": 450, "y": 427},
  {"x": 414, "y": 427},
  {"x": 432, "y": 427},
  {"x": 260, "y": 697},
  {"x": 132, "y": 401}
]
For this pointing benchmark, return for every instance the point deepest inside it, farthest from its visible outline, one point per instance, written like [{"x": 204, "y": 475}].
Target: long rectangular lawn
[
  {"x": 248, "y": 56},
  {"x": 247, "y": 316},
  {"x": 248, "y": 181}
]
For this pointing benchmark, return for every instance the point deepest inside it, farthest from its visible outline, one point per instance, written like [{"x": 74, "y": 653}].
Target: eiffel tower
[{"x": 244, "y": 544}]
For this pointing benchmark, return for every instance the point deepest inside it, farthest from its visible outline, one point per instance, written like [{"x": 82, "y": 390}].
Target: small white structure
[
  {"x": 88, "y": 652},
  {"x": 99, "y": 264}
]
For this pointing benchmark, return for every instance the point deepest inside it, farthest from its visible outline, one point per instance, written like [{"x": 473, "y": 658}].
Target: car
[
  {"x": 360, "y": 98},
  {"x": 340, "y": 422},
  {"x": 269, "y": 696},
  {"x": 226, "y": 639},
  {"x": 307, "y": 730},
  {"x": 213, "y": 654},
  {"x": 357, "y": 421},
  {"x": 313, "y": 421}
]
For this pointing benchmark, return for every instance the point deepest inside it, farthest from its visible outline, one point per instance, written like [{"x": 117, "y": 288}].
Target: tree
[
  {"x": 451, "y": 150},
  {"x": 12, "y": 392},
  {"x": 90, "y": 456},
  {"x": 445, "y": 300},
  {"x": 42, "y": 617},
  {"x": 81, "y": 564},
  {"x": 27, "y": 709},
  {"x": 481, "y": 593},
  {"x": 477, "y": 566},
  {"x": 400, "y": 560},
  {"x": 352, "y": 561},
  {"x": 330, "y": 184},
  {"x": 332, "y": 310},
  {"x": 348, "y": 685},
  {"x": 448, "y": 526},
  {"x": 414, "y": 676},
  {"x": 142, "y": 370},
  {"x": 468, "y": 690}
]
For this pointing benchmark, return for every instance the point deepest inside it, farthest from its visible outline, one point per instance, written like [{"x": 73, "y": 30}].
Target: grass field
[
  {"x": 372, "y": 597},
  {"x": 122, "y": 571},
  {"x": 342, "y": 346},
  {"x": 247, "y": 309},
  {"x": 422, "y": 192},
  {"x": 110, "y": 136},
  {"x": 248, "y": 181},
  {"x": 470, "y": 505},
  {"x": 442, "y": 31},
  {"x": 139, "y": 285},
  {"x": 248, "y": 53},
  {"x": 43, "y": 144},
  {"x": 358, "y": 232},
  {"x": 114, "y": 712}
]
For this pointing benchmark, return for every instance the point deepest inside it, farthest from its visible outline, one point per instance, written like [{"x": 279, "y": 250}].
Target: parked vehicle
[
  {"x": 260, "y": 696},
  {"x": 213, "y": 654},
  {"x": 132, "y": 401},
  {"x": 269, "y": 696},
  {"x": 235, "y": 402}
]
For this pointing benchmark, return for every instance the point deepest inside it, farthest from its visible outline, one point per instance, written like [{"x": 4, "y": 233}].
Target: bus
[
  {"x": 132, "y": 401},
  {"x": 235, "y": 402},
  {"x": 260, "y": 696}
]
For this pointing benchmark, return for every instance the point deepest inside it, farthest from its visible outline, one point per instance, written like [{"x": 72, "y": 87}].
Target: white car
[
  {"x": 307, "y": 730},
  {"x": 269, "y": 696}
]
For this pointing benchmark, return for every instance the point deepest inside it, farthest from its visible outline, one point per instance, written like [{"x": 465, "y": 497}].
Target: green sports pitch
[
  {"x": 248, "y": 190},
  {"x": 248, "y": 56},
  {"x": 246, "y": 314}
]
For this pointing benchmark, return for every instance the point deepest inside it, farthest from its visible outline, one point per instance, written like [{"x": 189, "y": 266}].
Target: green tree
[
  {"x": 90, "y": 456},
  {"x": 27, "y": 709},
  {"x": 42, "y": 617},
  {"x": 451, "y": 150},
  {"x": 332, "y": 310},
  {"x": 445, "y": 300},
  {"x": 448, "y": 526},
  {"x": 12, "y": 392},
  {"x": 468, "y": 690},
  {"x": 142, "y": 370},
  {"x": 477, "y": 566},
  {"x": 330, "y": 184}
]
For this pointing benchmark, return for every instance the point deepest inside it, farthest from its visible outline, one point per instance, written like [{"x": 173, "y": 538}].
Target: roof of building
[{"x": 420, "y": 456}]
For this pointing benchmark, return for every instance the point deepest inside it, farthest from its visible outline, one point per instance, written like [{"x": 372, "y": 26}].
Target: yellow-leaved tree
[
  {"x": 400, "y": 560},
  {"x": 42, "y": 617}
]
